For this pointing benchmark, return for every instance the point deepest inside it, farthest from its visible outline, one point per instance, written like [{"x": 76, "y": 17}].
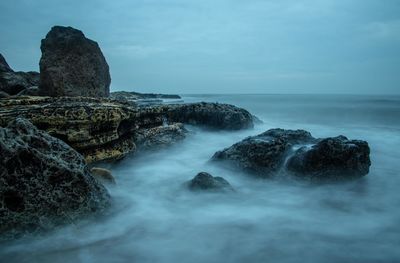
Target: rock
[
  {"x": 43, "y": 182},
  {"x": 335, "y": 158},
  {"x": 205, "y": 181},
  {"x": 14, "y": 82},
  {"x": 31, "y": 91},
  {"x": 277, "y": 150},
  {"x": 265, "y": 153},
  {"x": 212, "y": 115},
  {"x": 99, "y": 129},
  {"x": 4, "y": 67},
  {"x": 131, "y": 95},
  {"x": 103, "y": 175},
  {"x": 72, "y": 65},
  {"x": 4, "y": 95},
  {"x": 161, "y": 136}
]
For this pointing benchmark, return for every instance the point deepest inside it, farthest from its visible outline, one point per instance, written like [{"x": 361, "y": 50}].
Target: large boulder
[
  {"x": 14, "y": 82},
  {"x": 331, "y": 158},
  {"x": 297, "y": 152},
  {"x": 205, "y": 181},
  {"x": 43, "y": 182},
  {"x": 72, "y": 65},
  {"x": 265, "y": 153}
]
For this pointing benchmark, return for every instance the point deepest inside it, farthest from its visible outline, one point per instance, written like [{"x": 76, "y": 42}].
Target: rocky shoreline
[{"x": 55, "y": 123}]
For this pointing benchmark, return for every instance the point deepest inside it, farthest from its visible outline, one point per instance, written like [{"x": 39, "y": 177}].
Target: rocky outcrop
[
  {"x": 332, "y": 158},
  {"x": 160, "y": 137},
  {"x": 43, "y": 182},
  {"x": 296, "y": 151},
  {"x": 212, "y": 115},
  {"x": 100, "y": 129},
  {"x": 205, "y": 181},
  {"x": 103, "y": 129},
  {"x": 14, "y": 82},
  {"x": 72, "y": 65},
  {"x": 132, "y": 96}
]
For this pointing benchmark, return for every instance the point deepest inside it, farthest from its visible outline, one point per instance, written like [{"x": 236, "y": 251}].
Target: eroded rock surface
[
  {"x": 43, "y": 182},
  {"x": 72, "y": 65},
  {"x": 160, "y": 137},
  {"x": 296, "y": 151}
]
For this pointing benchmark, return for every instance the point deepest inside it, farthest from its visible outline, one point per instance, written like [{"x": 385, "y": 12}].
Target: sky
[{"x": 222, "y": 46}]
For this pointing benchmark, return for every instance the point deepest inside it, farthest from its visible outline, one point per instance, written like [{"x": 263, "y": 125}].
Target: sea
[{"x": 154, "y": 218}]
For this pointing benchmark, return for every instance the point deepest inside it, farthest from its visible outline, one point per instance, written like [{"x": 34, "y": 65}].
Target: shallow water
[{"x": 154, "y": 219}]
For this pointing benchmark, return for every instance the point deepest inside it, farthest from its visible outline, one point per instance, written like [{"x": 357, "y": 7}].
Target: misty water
[{"x": 155, "y": 219}]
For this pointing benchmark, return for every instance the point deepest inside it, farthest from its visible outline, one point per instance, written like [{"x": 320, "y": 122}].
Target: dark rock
[
  {"x": 273, "y": 151},
  {"x": 331, "y": 159},
  {"x": 43, "y": 182},
  {"x": 14, "y": 82},
  {"x": 72, "y": 65},
  {"x": 265, "y": 153},
  {"x": 212, "y": 115},
  {"x": 31, "y": 91},
  {"x": 161, "y": 136},
  {"x": 4, "y": 67},
  {"x": 4, "y": 95},
  {"x": 131, "y": 95},
  {"x": 205, "y": 181}
]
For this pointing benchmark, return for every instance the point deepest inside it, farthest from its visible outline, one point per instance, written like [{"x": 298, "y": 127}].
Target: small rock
[
  {"x": 4, "y": 95},
  {"x": 103, "y": 175},
  {"x": 205, "y": 181}
]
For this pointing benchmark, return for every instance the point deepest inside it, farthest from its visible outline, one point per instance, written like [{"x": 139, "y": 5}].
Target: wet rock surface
[
  {"x": 160, "y": 137},
  {"x": 43, "y": 182},
  {"x": 206, "y": 182},
  {"x": 72, "y": 65},
  {"x": 297, "y": 152},
  {"x": 331, "y": 158}
]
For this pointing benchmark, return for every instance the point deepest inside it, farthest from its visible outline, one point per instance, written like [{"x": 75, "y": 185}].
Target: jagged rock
[
  {"x": 205, "y": 181},
  {"x": 265, "y": 153},
  {"x": 213, "y": 115},
  {"x": 160, "y": 136},
  {"x": 331, "y": 158},
  {"x": 4, "y": 67},
  {"x": 301, "y": 154},
  {"x": 103, "y": 175},
  {"x": 43, "y": 182},
  {"x": 72, "y": 65}
]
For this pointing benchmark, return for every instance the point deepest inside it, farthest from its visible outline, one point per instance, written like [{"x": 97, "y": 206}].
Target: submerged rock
[
  {"x": 205, "y": 181},
  {"x": 212, "y": 115},
  {"x": 43, "y": 182},
  {"x": 331, "y": 158},
  {"x": 72, "y": 65},
  {"x": 103, "y": 175},
  {"x": 161, "y": 136},
  {"x": 296, "y": 151}
]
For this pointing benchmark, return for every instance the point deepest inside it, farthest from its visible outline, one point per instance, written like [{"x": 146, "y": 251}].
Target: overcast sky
[{"x": 222, "y": 46}]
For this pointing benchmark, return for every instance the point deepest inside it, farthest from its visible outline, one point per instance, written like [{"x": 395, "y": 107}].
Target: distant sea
[{"x": 154, "y": 219}]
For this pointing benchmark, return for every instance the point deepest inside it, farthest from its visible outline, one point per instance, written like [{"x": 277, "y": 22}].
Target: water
[{"x": 154, "y": 219}]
